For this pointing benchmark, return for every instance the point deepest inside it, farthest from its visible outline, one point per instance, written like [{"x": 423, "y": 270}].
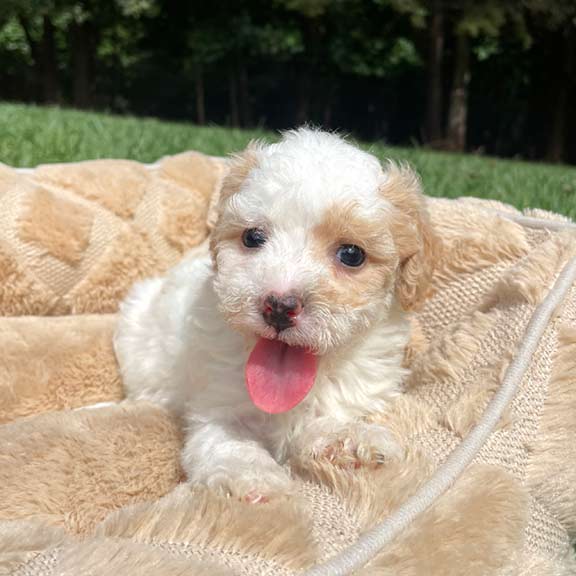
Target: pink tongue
[{"x": 279, "y": 376}]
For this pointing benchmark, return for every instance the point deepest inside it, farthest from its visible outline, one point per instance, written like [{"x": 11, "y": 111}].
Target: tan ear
[
  {"x": 418, "y": 246},
  {"x": 237, "y": 170},
  {"x": 239, "y": 167}
]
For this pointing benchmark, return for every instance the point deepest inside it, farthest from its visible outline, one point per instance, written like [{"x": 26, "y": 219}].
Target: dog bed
[{"x": 100, "y": 491}]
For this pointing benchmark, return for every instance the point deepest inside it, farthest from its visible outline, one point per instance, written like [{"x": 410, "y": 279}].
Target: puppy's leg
[
  {"x": 224, "y": 455},
  {"x": 348, "y": 444}
]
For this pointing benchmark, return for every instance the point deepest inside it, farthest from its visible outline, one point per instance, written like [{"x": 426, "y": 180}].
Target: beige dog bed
[{"x": 99, "y": 491}]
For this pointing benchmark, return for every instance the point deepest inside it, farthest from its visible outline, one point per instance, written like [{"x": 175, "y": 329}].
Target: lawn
[{"x": 32, "y": 135}]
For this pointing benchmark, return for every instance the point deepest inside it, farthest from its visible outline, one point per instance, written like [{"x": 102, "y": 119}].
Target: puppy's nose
[{"x": 280, "y": 310}]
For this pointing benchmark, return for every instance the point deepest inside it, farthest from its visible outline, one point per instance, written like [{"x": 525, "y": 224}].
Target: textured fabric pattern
[
  {"x": 74, "y": 237},
  {"x": 98, "y": 491}
]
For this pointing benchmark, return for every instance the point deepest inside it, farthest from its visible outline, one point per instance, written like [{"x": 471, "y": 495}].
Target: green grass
[{"x": 32, "y": 135}]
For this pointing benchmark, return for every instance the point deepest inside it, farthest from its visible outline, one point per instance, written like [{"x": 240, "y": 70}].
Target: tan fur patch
[
  {"x": 72, "y": 214},
  {"x": 19, "y": 292},
  {"x": 465, "y": 413},
  {"x": 128, "y": 258},
  {"x": 495, "y": 508},
  {"x": 117, "y": 185},
  {"x": 370, "y": 494},
  {"x": 58, "y": 226},
  {"x": 191, "y": 180},
  {"x": 196, "y": 517},
  {"x": 532, "y": 277},
  {"x": 222, "y": 168},
  {"x": 406, "y": 418},
  {"x": 183, "y": 218},
  {"x": 8, "y": 178},
  {"x": 21, "y": 541},
  {"x": 540, "y": 565},
  {"x": 473, "y": 241},
  {"x": 239, "y": 168},
  {"x": 82, "y": 465},
  {"x": 418, "y": 246},
  {"x": 418, "y": 343},
  {"x": 105, "y": 556},
  {"x": 486, "y": 507},
  {"x": 350, "y": 286},
  {"x": 450, "y": 353},
  {"x": 548, "y": 475},
  {"x": 56, "y": 363},
  {"x": 192, "y": 172}
]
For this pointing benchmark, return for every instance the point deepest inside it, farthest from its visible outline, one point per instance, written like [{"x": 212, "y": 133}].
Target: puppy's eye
[
  {"x": 253, "y": 237},
  {"x": 351, "y": 255}
]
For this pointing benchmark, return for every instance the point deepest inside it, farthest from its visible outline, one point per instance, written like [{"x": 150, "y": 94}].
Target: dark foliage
[{"x": 489, "y": 76}]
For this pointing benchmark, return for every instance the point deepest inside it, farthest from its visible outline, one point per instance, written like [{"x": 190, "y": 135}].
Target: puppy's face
[{"x": 314, "y": 241}]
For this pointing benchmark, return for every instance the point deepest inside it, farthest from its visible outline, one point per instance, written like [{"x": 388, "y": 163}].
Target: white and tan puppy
[{"x": 295, "y": 328}]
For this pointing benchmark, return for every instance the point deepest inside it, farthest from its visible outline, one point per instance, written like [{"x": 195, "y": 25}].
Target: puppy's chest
[
  {"x": 342, "y": 397},
  {"x": 355, "y": 397},
  {"x": 215, "y": 370}
]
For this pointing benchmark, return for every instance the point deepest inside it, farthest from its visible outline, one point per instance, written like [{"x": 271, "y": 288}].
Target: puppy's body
[{"x": 184, "y": 340}]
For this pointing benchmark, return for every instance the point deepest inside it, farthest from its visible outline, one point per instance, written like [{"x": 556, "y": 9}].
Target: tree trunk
[
  {"x": 557, "y": 140},
  {"x": 435, "y": 61},
  {"x": 199, "y": 89},
  {"x": 233, "y": 97},
  {"x": 50, "y": 81},
  {"x": 458, "y": 111},
  {"x": 35, "y": 53},
  {"x": 83, "y": 46}
]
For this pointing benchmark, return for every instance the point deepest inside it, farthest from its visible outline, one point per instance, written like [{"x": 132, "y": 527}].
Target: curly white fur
[{"x": 183, "y": 340}]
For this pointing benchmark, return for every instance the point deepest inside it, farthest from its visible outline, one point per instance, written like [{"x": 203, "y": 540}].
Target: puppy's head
[{"x": 315, "y": 239}]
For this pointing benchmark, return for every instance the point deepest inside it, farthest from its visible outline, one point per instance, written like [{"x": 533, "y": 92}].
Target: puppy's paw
[
  {"x": 356, "y": 445},
  {"x": 251, "y": 484}
]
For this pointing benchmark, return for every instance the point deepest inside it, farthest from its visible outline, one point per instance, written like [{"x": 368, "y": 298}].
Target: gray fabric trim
[{"x": 371, "y": 542}]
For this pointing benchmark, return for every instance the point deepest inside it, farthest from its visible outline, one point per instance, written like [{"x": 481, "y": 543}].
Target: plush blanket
[{"x": 100, "y": 491}]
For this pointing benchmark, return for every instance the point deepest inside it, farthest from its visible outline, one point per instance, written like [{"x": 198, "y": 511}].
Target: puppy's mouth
[{"x": 279, "y": 376}]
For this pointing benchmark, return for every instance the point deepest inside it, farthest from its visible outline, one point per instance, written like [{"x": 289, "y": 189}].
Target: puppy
[{"x": 281, "y": 342}]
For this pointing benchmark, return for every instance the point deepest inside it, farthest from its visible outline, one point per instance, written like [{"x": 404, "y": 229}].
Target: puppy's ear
[
  {"x": 239, "y": 167},
  {"x": 237, "y": 170},
  {"x": 418, "y": 246}
]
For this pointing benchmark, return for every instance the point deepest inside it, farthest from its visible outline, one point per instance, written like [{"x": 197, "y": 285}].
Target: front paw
[
  {"x": 356, "y": 445},
  {"x": 254, "y": 484}
]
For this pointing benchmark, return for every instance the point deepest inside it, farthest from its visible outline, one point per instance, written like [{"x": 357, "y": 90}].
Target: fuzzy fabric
[
  {"x": 99, "y": 490},
  {"x": 74, "y": 237}
]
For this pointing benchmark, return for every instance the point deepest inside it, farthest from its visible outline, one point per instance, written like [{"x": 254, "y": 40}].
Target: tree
[
  {"x": 485, "y": 75},
  {"x": 558, "y": 18},
  {"x": 352, "y": 38},
  {"x": 563, "y": 81},
  {"x": 253, "y": 33},
  {"x": 36, "y": 18},
  {"x": 49, "y": 24},
  {"x": 471, "y": 20},
  {"x": 435, "y": 64}
]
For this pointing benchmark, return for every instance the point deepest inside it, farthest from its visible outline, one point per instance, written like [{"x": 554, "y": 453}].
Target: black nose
[{"x": 281, "y": 310}]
